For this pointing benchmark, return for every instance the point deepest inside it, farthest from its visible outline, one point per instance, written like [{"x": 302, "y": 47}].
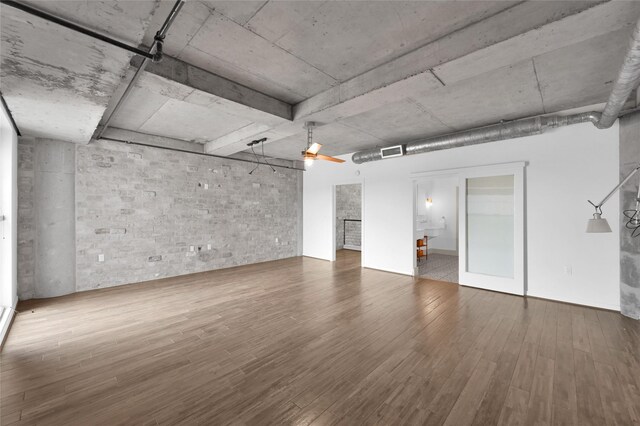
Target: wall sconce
[
  {"x": 599, "y": 224},
  {"x": 428, "y": 202}
]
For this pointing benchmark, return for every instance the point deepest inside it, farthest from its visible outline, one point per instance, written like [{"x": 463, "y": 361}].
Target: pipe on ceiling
[
  {"x": 157, "y": 43},
  {"x": 628, "y": 79},
  {"x": 8, "y": 111},
  {"x": 206, "y": 154},
  {"x": 72, "y": 26},
  {"x": 492, "y": 133}
]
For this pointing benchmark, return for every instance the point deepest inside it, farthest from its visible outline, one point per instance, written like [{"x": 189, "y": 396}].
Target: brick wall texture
[
  {"x": 348, "y": 206},
  {"x": 153, "y": 213}
]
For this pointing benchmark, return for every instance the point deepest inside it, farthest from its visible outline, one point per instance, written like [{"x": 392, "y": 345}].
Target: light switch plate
[
  {"x": 206, "y": 186},
  {"x": 208, "y": 246},
  {"x": 101, "y": 258},
  {"x": 191, "y": 248}
]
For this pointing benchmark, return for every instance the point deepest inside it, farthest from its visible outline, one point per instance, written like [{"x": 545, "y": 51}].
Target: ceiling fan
[{"x": 311, "y": 153}]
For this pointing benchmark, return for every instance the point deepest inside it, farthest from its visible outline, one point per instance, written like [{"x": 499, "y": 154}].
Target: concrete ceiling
[
  {"x": 292, "y": 50},
  {"x": 57, "y": 83},
  {"x": 372, "y": 74}
]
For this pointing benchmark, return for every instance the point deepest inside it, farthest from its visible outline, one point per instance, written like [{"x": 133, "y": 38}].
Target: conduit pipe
[
  {"x": 157, "y": 44},
  {"x": 628, "y": 80},
  {"x": 205, "y": 154},
  {"x": 75, "y": 27}
]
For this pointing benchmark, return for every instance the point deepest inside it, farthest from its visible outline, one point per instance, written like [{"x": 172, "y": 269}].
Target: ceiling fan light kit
[{"x": 311, "y": 153}]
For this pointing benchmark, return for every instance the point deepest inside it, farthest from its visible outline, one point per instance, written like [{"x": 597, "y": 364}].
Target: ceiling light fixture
[
  {"x": 599, "y": 224},
  {"x": 261, "y": 142},
  {"x": 311, "y": 153}
]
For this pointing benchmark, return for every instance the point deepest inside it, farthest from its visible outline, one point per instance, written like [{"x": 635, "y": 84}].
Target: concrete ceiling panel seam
[{"x": 406, "y": 64}]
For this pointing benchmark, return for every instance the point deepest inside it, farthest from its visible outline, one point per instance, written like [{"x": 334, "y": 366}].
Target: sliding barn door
[{"x": 492, "y": 228}]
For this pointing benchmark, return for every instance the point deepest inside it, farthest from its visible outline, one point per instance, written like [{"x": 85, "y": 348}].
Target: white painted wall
[
  {"x": 8, "y": 227},
  {"x": 566, "y": 167}
]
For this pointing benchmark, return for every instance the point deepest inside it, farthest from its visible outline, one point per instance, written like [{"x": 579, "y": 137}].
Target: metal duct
[
  {"x": 628, "y": 80},
  {"x": 495, "y": 132}
]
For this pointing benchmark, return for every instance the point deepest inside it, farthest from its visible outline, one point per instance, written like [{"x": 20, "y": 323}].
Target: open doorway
[
  {"x": 348, "y": 214},
  {"x": 436, "y": 228},
  {"x": 475, "y": 217}
]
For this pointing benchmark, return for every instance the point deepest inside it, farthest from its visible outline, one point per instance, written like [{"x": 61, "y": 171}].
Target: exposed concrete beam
[
  {"x": 593, "y": 22},
  {"x": 191, "y": 76},
  {"x": 58, "y": 82},
  {"x": 160, "y": 141},
  {"x": 122, "y": 135},
  {"x": 230, "y": 146},
  {"x": 452, "y": 58},
  {"x": 273, "y": 161},
  {"x": 233, "y": 137},
  {"x": 469, "y": 41}
]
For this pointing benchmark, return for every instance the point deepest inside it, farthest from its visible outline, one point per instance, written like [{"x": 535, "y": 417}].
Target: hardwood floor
[{"x": 303, "y": 341}]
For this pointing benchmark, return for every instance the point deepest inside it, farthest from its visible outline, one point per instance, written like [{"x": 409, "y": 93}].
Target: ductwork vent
[
  {"x": 495, "y": 132},
  {"x": 628, "y": 80}
]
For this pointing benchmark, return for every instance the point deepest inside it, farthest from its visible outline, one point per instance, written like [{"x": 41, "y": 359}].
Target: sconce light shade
[
  {"x": 428, "y": 202},
  {"x": 598, "y": 224}
]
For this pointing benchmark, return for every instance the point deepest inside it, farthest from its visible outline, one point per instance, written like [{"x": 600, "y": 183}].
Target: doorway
[
  {"x": 348, "y": 221},
  {"x": 489, "y": 225},
  {"x": 436, "y": 228}
]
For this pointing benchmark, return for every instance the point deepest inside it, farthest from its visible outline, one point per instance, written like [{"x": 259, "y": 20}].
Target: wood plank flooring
[{"x": 302, "y": 341}]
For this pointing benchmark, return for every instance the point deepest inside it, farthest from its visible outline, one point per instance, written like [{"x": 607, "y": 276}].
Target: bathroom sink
[
  {"x": 430, "y": 232},
  {"x": 430, "y": 228}
]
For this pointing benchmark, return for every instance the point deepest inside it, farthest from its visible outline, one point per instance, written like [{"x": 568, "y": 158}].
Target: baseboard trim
[
  {"x": 8, "y": 314},
  {"x": 316, "y": 258},
  {"x": 580, "y": 303},
  {"x": 389, "y": 271}
]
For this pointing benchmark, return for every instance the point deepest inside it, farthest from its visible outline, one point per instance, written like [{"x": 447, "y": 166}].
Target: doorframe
[
  {"x": 520, "y": 254},
  {"x": 362, "y": 218},
  {"x": 416, "y": 179}
]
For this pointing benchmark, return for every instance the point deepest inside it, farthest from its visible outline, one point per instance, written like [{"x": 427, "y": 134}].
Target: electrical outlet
[
  {"x": 208, "y": 246},
  {"x": 191, "y": 248},
  {"x": 101, "y": 258},
  {"x": 206, "y": 186},
  {"x": 277, "y": 240}
]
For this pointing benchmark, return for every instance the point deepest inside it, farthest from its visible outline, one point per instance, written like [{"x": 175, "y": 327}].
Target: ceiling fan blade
[
  {"x": 327, "y": 158},
  {"x": 314, "y": 148}
]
